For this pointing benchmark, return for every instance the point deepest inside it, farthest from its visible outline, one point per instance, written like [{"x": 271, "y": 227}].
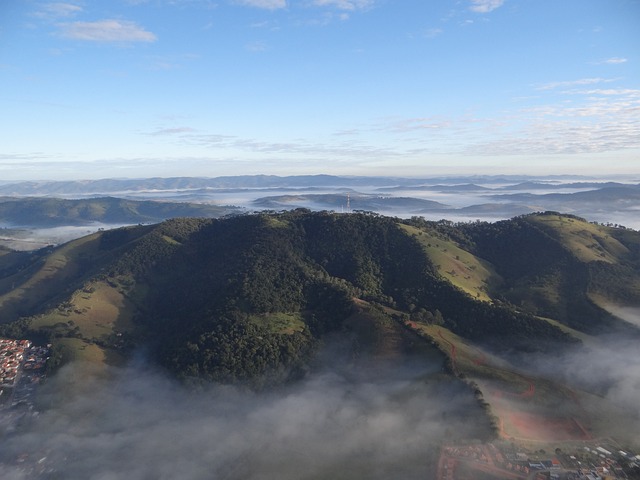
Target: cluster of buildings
[
  {"x": 11, "y": 357},
  {"x": 595, "y": 462},
  {"x": 19, "y": 355}
]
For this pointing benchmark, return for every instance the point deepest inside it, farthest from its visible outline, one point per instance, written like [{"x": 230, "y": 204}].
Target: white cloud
[
  {"x": 433, "y": 32},
  {"x": 605, "y": 121},
  {"x": 416, "y": 124},
  {"x": 615, "y": 60},
  {"x": 572, "y": 83},
  {"x": 172, "y": 131},
  {"x": 485, "y": 6},
  {"x": 612, "y": 91},
  {"x": 107, "y": 31},
  {"x": 58, "y": 10},
  {"x": 345, "y": 4},
  {"x": 266, "y": 4}
]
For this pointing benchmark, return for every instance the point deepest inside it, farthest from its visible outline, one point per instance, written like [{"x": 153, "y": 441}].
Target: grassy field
[
  {"x": 587, "y": 241},
  {"x": 31, "y": 286},
  {"x": 75, "y": 349},
  {"x": 467, "y": 272},
  {"x": 95, "y": 312},
  {"x": 285, "y": 323},
  {"x": 92, "y": 325}
]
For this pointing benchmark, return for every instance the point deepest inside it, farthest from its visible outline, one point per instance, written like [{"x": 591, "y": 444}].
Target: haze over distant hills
[{"x": 455, "y": 198}]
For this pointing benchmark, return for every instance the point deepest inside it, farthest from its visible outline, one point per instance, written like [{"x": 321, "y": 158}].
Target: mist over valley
[{"x": 40, "y": 211}]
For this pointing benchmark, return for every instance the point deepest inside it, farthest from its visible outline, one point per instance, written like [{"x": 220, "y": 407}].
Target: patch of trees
[{"x": 235, "y": 350}]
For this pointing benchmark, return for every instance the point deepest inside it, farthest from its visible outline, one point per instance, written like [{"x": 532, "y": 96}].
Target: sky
[{"x": 140, "y": 88}]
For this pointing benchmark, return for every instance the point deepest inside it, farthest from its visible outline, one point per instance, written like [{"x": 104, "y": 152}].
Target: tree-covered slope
[
  {"x": 561, "y": 266},
  {"x": 250, "y": 297}
]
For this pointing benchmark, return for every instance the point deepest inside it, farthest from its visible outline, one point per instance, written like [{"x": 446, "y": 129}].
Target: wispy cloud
[
  {"x": 485, "y": 6},
  {"x": 615, "y": 60},
  {"x": 257, "y": 46},
  {"x": 171, "y": 131},
  {"x": 345, "y": 4},
  {"x": 107, "y": 31},
  {"x": 604, "y": 121},
  {"x": 171, "y": 62},
  {"x": 415, "y": 124},
  {"x": 58, "y": 10},
  {"x": 266, "y": 4},
  {"x": 433, "y": 32},
  {"x": 573, "y": 83},
  {"x": 631, "y": 92}
]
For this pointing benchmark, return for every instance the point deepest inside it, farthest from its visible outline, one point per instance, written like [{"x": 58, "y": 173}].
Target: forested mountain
[
  {"x": 250, "y": 296},
  {"x": 53, "y": 212}
]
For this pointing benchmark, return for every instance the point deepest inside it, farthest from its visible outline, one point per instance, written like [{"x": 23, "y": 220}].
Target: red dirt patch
[{"x": 539, "y": 427}]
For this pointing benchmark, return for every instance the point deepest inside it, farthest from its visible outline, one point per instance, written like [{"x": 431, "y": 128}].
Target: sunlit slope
[
  {"x": 562, "y": 267},
  {"x": 588, "y": 242},
  {"x": 611, "y": 255},
  {"x": 469, "y": 273},
  {"x": 41, "y": 279},
  {"x": 83, "y": 295}
]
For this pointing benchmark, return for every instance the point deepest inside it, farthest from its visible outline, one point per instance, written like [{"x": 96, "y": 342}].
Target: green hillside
[
  {"x": 249, "y": 298},
  {"x": 473, "y": 275},
  {"x": 561, "y": 266}
]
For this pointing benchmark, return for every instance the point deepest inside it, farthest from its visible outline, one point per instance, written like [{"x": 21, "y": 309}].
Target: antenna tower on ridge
[{"x": 348, "y": 202}]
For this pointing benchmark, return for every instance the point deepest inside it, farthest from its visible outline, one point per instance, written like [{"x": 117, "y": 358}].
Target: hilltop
[{"x": 251, "y": 298}]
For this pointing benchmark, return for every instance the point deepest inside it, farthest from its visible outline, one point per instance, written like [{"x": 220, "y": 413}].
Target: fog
[
  {"x": 463, "y": 199},
  {"x": 606, "y": 372},
  {"x": 380, "y": 421},
  {"x": 34, "y": 238}
]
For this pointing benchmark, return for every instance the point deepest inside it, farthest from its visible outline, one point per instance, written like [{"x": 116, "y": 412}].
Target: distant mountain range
[
  {"x": 130, "y": 201},
  {"x": 53, "y": 212},
  {"x": 459, "y": 183}
]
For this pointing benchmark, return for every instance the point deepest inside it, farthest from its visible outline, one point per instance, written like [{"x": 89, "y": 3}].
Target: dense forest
[{"x": 251, "y": 296}]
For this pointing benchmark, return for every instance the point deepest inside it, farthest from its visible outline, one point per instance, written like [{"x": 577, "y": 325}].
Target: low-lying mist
[
  {"x": 27, "y": 238},
  {"x": 378, "y": 421},
  {"x": 606, "y": 369}
]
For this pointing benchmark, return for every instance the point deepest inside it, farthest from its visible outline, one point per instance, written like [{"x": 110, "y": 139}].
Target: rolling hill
[
  {"x": 251, "y": 298},
  {"x": 293, "y": 275}
]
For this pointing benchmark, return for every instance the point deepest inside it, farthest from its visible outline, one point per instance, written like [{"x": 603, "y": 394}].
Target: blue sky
[{"x": 139, "y": 88}]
